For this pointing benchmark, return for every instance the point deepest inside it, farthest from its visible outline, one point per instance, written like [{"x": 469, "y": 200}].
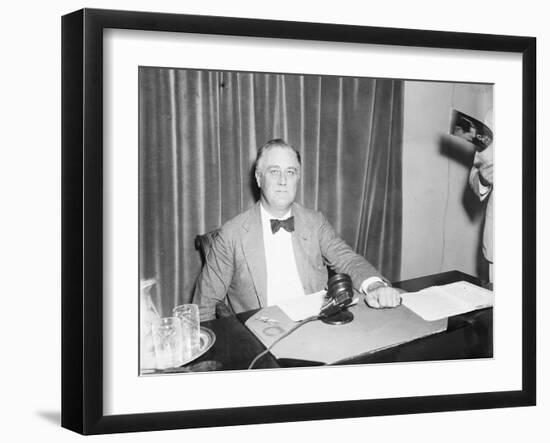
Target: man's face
[{"x": 278, "y": 178}]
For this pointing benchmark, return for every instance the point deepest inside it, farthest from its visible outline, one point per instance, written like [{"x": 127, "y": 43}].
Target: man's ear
[{"x": 257, "y": 175}]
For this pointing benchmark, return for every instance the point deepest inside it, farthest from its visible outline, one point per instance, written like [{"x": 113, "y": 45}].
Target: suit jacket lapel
[
  {"x": 254, "y": 252},
  {"x": 301, "y": 244}
]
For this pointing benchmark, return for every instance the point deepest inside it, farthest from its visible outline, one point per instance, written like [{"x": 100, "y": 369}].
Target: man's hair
[
  {"x": 275, "y": 143},
  {"x": 464, "y": 124}
]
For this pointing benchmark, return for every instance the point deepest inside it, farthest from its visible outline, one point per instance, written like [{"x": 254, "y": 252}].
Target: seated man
[{"x": 278, "y": 249}]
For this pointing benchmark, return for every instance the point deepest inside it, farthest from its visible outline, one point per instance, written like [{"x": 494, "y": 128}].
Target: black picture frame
[{"x": 82, "y": 218}]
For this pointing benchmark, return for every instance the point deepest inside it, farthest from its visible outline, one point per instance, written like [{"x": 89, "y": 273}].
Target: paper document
[
  {"x": 299, "y": 308},
  {"x": 438, "y": 302}
]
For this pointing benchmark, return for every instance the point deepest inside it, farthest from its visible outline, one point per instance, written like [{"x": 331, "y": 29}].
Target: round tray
[{"x": 207, "y": 338}]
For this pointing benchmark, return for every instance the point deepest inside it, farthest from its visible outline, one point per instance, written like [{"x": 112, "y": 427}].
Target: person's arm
[
  {"x": 481, "y": 173},
  {"x": 341, "y": 258},
  {"x": 215, "y": 276},
  {"x": 365, "y": 277}
]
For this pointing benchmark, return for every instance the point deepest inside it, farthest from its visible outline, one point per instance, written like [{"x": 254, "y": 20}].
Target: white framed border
[{"x": 126, "y": 393}]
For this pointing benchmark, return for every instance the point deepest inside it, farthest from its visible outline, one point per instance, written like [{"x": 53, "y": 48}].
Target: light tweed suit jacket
[{"x": 235, "y": 270}]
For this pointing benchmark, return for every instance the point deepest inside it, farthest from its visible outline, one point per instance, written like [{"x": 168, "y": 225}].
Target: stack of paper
[{"x": 438, "y": 302}]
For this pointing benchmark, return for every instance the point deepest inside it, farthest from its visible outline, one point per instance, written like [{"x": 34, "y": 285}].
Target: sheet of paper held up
[
  {"x": 437, "y": 302},
  {"x": 302, "y": 307}
]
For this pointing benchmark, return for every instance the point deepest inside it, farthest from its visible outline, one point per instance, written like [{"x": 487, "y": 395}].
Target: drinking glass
[
  {"x": 168, "y": 342},
  {"x": 190, "y": 325}
]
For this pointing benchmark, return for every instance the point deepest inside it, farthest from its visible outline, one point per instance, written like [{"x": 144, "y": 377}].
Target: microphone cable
[
  {"x": 340, "y": 292},
  {"x": 286, "y": 334}
]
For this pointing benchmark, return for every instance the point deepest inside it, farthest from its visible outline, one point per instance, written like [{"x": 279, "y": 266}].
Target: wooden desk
[{"x": 467, "y": 336}]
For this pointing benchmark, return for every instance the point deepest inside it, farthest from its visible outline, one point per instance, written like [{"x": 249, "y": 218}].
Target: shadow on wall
[{"x": 462, "y": 152}]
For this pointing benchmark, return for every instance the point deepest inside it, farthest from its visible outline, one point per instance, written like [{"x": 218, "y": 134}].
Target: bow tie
[{"x": 287, "y": 225}]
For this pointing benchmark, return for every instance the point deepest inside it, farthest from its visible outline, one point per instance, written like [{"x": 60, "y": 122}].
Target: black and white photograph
[
  {"x": 274, "y": 221},
  {"x": 277, "y": 221},
  {"x": 295, "y": 220}
]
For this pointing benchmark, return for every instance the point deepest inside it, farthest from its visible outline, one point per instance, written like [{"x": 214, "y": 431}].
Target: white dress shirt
[{"x": 283, "y": 281}]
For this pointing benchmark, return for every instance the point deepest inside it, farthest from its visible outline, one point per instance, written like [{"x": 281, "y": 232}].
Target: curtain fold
[{"x": 198, "y": 136}]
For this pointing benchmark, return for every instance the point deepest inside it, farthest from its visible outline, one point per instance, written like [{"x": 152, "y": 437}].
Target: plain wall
[{"x": 442, "y": 218}]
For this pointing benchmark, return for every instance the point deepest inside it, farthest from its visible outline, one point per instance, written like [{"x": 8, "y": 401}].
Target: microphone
[
  {"x": 333, "y": 311},
  {"x": 339, "y": 297}
]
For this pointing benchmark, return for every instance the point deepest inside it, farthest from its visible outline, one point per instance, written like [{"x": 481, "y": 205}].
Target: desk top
[{"x": 467, "y": 336}]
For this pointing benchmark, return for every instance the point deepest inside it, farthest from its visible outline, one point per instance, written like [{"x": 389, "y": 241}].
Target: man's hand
[
  {"x": 486, "y": 174},
  {"x": 381, "y": 296},
  {"x": 484, "y": 164}
]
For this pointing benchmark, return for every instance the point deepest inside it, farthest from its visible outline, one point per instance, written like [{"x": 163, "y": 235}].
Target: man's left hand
[{"x": 383, "y": 297}]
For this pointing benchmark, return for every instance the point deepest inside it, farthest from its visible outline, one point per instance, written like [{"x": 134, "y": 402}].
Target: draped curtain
[{"x": 198, "y": 136}]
